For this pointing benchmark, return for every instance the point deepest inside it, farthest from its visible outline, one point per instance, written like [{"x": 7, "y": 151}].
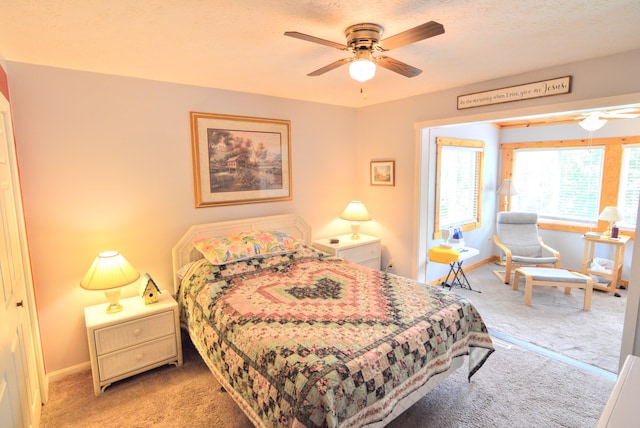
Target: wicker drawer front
[
  {"x": 121, "y": 362},
  {"x": 373, "y": 263},
  {"x": 130, "y": 333},
  {"x": 360, "y": 254}
]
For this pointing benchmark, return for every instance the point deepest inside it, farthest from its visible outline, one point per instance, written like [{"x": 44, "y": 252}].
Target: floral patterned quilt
[{"x": 305, "y": 339}]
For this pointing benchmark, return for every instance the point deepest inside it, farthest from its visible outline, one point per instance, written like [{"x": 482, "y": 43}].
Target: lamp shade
[
  {"x": 363, "y": 66},
  {"x": 362, "y": 70},
  {"x": 610, "y": 214},
  {"x": 507, "y": 188},
  {"x": 355, "y": 211},
  {"x": 592, "y": 123},
  {"x": 109, "y": 270}
]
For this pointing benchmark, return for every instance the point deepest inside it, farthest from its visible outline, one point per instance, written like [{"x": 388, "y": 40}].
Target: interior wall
[
  {"x": 571, "y": 245},
  {"x": 395, "y": 135},
  {"x": 106, "y": 164},
  {"x": 481, "y": 237}
]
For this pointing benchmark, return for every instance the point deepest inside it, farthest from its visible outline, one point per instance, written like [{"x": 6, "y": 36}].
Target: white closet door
[{"x": 20, "y": 399}]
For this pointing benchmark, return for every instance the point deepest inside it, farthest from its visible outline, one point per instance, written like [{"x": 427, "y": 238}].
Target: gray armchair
[{"x": 517, "y": 237}]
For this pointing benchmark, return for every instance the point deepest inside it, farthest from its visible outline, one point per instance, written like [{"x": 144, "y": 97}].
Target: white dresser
[
  {"x": 621, "y": 410},
  {"x": 364, "y": 251},
  {"x": 138, "y": 338}
]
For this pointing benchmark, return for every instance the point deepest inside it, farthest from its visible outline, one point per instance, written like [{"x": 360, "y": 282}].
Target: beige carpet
[
  {"x": 554, "y": 320},
  {"x": 516, "y": 387}
]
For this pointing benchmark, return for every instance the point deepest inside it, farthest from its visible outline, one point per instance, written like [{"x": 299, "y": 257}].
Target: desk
[
  {"x": 455, "y": 265},
  {"x": 590, "y": 242}
]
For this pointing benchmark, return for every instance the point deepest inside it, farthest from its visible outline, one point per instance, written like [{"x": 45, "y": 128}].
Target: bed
[{"x": 300, "y": 338}]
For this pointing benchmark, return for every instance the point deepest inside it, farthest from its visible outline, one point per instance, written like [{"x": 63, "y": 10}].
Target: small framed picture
[{"x": 383, "y": 173}]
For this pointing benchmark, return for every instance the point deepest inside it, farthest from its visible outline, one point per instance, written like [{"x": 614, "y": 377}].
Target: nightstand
[
  {"x": 364, "y": 251},
  {"x": 137, "y": 339}
]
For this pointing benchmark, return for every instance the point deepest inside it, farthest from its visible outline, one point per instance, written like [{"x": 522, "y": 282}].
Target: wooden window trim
[
  {"x": 459, "y": 142},
  {"x": 610, "y": 179}
]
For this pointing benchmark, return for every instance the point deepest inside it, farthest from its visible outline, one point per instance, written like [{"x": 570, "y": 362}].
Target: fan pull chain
[{"x": 364, "y": 94}]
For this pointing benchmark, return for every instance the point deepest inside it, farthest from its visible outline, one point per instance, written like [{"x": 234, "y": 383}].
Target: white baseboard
[{"x": 60, "y": 374}]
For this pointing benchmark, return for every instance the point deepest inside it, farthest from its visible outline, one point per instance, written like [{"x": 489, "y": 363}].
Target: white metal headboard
[{"x": 184, "y": 251}]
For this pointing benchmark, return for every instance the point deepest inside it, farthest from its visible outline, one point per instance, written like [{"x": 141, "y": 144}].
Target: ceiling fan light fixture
[
  {"x": 592, "y": 123},
  {"x": 362, "y": 69}
]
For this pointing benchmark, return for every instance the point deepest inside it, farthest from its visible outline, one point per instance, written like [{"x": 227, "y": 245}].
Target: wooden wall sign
[{"x": 545, "y": 88}]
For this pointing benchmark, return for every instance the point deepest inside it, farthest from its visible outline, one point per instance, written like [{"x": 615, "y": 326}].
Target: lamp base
[
  {"x": 355, "y": 228},
  {"x": 112, "y": 309},
  {"x": 112, "y": 296}
]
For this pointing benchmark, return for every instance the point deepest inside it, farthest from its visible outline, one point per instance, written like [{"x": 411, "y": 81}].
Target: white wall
[
  {"x": 389, "y": 131},
  {"x": 106, "y": 164},
  {"x": 480, "y": 238},
  {"x": 571, "y": 245}
]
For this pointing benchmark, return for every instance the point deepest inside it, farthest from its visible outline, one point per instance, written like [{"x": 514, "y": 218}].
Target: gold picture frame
[
  {"x": 383, "y": 173},
  {"x": 239, "y": 159}
]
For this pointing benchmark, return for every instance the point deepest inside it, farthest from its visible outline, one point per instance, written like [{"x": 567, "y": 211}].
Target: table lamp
[
  {"x": 610, "y": 214},
  {"x": 110, "y": 271},
  {"x": 355, "y": 213},
  {"x": 507, "y": 189}
]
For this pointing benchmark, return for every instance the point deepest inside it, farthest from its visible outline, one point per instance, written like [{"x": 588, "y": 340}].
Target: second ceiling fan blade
[
  {"x": 314, "y": 39},
  {"x": 398, "y": 66},
  {"x": 330, "y": 67},
  {"x": 412, "y": 35}
]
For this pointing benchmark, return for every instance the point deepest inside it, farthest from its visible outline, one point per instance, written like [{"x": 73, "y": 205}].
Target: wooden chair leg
[
  {"x": 528, "y": 290},
  {"x": 588, "y": 291},
  {"x": 516, "y": 280},
  {"x": 507, "y": 272}
]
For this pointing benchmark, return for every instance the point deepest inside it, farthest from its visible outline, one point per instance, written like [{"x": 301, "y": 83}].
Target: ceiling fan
[
  {"x": 365, "y": 39},
  {"x": 595, "y": 120}
]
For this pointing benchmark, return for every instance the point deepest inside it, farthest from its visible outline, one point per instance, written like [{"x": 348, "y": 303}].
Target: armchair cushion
[
  {"x": 517, "y": 237},
  {"x": 534, "y": 260}
]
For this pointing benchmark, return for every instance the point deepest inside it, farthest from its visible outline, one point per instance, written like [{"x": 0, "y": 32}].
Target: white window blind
[
  {"x": 459, "y": 185},
  {"x": 561, "y": 184},
  {"x": 629, "y": 191}
]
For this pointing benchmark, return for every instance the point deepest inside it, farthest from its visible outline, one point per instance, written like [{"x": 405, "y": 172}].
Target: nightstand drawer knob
[
  {"x": 139, "y": 357},
  {"x": 137, "y": 332}
]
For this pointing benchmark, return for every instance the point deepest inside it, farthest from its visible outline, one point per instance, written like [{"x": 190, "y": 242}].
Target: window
[
  {"x": 458, "y": 183},
  {"x": 629, "y": 191},
  {"x": 560, "y": 184},
  {"x": 569, "y": 182}
]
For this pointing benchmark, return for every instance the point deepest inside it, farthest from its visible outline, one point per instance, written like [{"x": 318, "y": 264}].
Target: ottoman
[{"x": 553, "y": 277}]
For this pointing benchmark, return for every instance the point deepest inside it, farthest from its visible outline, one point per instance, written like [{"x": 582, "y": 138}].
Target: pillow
[{"x": 230, "y": 248}]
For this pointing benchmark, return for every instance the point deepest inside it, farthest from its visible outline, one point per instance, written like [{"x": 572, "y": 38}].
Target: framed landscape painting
[
  {"x": 240, "y": 160},
  {"x": 383, "y": 173}
]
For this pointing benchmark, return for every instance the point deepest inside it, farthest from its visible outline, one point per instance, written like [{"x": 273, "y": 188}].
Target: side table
[
  {"x": 590, "y": 242},
  {"x": 454, "y": 258},
  {"x": 364, "y": 251},
  {"x": 137, "y": 339}
]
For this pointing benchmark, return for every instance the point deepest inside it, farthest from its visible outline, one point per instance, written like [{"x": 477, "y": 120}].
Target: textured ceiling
[{"x": 239, "y": 45}]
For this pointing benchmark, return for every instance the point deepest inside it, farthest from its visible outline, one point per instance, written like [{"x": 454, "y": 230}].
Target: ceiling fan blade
[
  {"x": 412, "y": 35},
  {"x": 398, "y": 66},
  {"x": 622, "y": 111},
  {"x": 330, "y": 67},
  {"x": 620, "y": 116},
  {"x": 308, "y": 38},
  {"x": 615, "y": 114}
]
